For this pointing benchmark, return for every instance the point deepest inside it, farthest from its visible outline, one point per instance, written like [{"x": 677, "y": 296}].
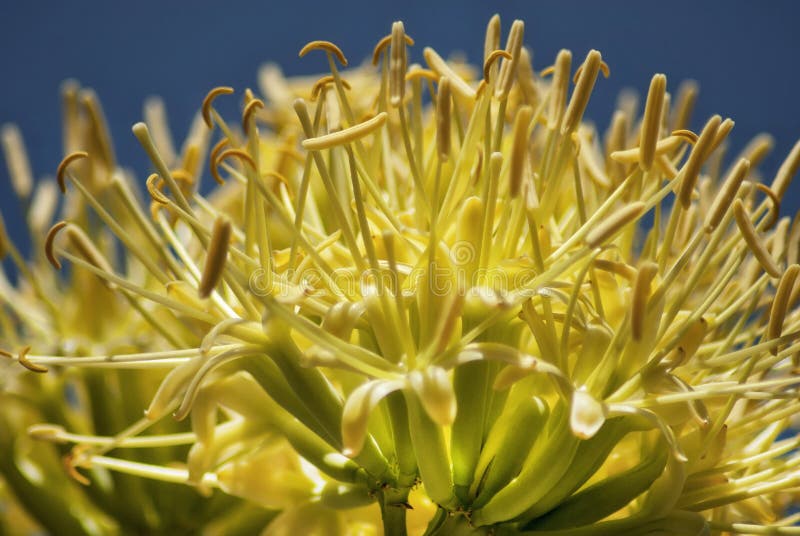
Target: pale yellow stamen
[
  {"x": 700, "y": 152},
  {"x": 491, "y": 60},
  {"x": 323, "y": 82},
  {"x": 239, "y": 153},
  {"x": 441, "y": 68},
  {"x": 328, "y": 47},
  {"x": 780, "y": 304},
  {"x": 443, "y": 106},
  {"x": 249, "y": 110},
  {"x": 651, "y": 122},
  {"x": 508, "y": 69},
  {"x": 216, "y": 257},
  {"x": 383, "y": 43},
  {"x": 19, "y": 169},
  {"x": 62, "y": 168},
  {"x": 558, "y": 90},
  {"x": 614, "y": 223},
  {"x": 726, "y": 194},
  {"x": 208, "y": 100},
  {"x": 154, "y": 185},
  {"x": 398, "y": 64},
  {"x": 582, "y": 92},
  {"x": 641, "y": 294},
  {"x": 519, "y": 149},
  {"x": 345, "y": 136},
  {"x": 787, "y": 171},
  {"x": 86, "y": 249}
]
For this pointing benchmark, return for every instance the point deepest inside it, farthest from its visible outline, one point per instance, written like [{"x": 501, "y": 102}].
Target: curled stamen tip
[
  {"x": 25, "y": 362},
  {"x": 249, "y": 110},
  {"x": 48, "y": 244},
  {"x": 490, "y": 61},
  {"x": 320, "y": 84},
  {"x": 71, "y": 462},
  {"x": 209, "y": 99},
  {"x": 383, "y": 43},
  {"x": 328, "y": 47},
  {"x": 62, "y": 167}
]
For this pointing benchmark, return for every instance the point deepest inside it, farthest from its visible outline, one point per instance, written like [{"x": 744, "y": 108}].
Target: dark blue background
[{"x": 743, "y": 53}]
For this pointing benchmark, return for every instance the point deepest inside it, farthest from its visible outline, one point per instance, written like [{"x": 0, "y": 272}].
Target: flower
[{"x": 456, "y": 310}]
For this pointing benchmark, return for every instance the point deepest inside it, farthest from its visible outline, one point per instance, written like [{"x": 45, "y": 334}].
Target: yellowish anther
[
  {"x": 614, "y": 223},
  {"x": 508, "y": 69},
  {"x": 722, "y": 132},
  {"x": 726, "y": 195},
  {"x": 684, "y": 105},
  {"x": 328, "y": 47},
  {"x": 686, "y": 134},
  {"x": 641, "y": 294},
  {"x": 701, "y": 151},
  {"x": 603, "y": 69},
  {"x": 664, "y": 146},
  {"x": 619, "y": 268},
  {"x": 415, "y": 72},
  {"x": 758, "y": 148},
  {"x": 19, "y": 169},
  {"x": 443, "y": 105},
  {"x": 787, "y": 171},
  {"x": 278, "y": 176},
  {"x": 547, "y": 71},
  {"x": 209, "y": 100},
  {"x": 71, "y": 462},
  {"x": 490, "y": 61},
  {"x": 582, "y": 92},
  {"x": 383, "y": 43},
  {"x": 753, "y": 241},
  {"x": 62, "y": 168},
  {"x": 216, "y": 257},
  {"x": 182, "y": 175},
  {"x": 49, "y": 241},
  {"x": 218, "y": 147},
  {"x": 519, "y": 149},
  {"x": 492, "y": 40},
  {"x": 558, "y": 89},
  {"x": 249, "y": 110},
  {"x": 22, "y": 357},
  {"x": 651, "y": 122},
  {"x": 780, "y": 304},
  {"x": 320, "y": 84},
  {"x": 398, "y": 64},
  {"x": 346, "y": 135},
  {"x": 440, "y": 67},
  {"x": 239, "y": 153},
  {"x": 154, "y": 185}
]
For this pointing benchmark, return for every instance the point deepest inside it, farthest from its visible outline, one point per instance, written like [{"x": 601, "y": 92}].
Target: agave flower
[{"x": 472, "y": 316}]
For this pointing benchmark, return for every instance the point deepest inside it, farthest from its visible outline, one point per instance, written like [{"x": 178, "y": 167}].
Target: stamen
[
  {"x": 700, "y": 152},
  {"x": 249, "y": 110},
  {"x": 753, "y": 241},
  {"x": 688, "y": 135},
  {"x": 787, "y": 171},
  {"x": 780, "y": 304},
  {"x": 216, "y": 257},
  {"x": 443, "y": 105},
  {"x": 239, "y": 153},
  {"x": 441, "y": 68},
  {"x": 651, "y": 122},
  {"x": 775, "y": 209},
  {"x": 416, "y": 72},
  {"x": 558, "y": 90},
  {"x": 726, "y": 194},
  {"x": 19, "y": 169},
  {"x": 383, "y": 43},
  {"x": 327, "y": 46},
  {"x": 508, "y": 69},
  {"x": 582, "y": 92},
  {"x": 62, "y": 168},
  {"x": 492, "y": 40},
  {"x": 684, "y": 105},
  {"x": 345, "y": 136},
  {"x": 519, "y": 149},
  {"x": 22, "y": 357},
  {"x": 209, "y": 99},
  {"x": 615, "y": 222},
  {"x": 155, "y": 189},
  {"x": 490, "y": 61},
  {"x": 89, "y": 251},
  {"x": 398, "y": 64},
  {"x": 722, "y": 132},
  {"x": 641, "y": 294},
  {"x": 48, "y": 244},
  {"x": 320, "y": 84}
]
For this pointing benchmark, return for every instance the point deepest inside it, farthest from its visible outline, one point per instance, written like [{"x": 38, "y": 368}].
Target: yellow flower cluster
[{"x": 475, "y": 316}]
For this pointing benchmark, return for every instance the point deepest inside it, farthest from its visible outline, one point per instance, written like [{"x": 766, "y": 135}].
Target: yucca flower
[{"x": 476, "y": 315}]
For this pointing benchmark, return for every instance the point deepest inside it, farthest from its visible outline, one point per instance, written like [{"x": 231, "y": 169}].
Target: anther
[
  {"x": 558, "y": 89},
  {"x": 154, "y": 185},
  {"x": 398, "y": 64},
  {"x": 787, "y": 171},
  {"x": 62, "y": 168},
  {"x": 700, "y": 151},
  {"x": 508, "y": 69},
  {"x": 443, "y": 105},
  {"x": 320, "y": 84},
  {"x": 216, "y": 258},
  {"x": 49, "y": 241},
  {"x": 651, "y": 122},
  {"x": 609, "y": 227},
  {"x": 346, "y": 135},
  {"x": 328, "y": 47},
  {"x": 519, "y": 149},
  {"x": 225, "y": 154},
  {"x": 726, "y": 194},
  {"x": 22, "y": 357},
  {"x": 582, "y": 92},
  {"x": 780, "y": 304},
  {"x": 208, "y": 101},
  {"x": 753, "y": 241},
  {"x": 383, "y": 43},
  {"x": 490, "y": 61},
  {"x": 249, "y": 110}
]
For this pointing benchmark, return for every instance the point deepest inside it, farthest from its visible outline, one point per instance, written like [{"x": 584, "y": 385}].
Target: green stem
[{"x": 394, "y": 503}]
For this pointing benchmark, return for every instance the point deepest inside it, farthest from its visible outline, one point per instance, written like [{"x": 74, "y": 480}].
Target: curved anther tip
[
  {"x": 71, "y": 461},
  {"x": 328, "y": 47},
  {"x": 209, "y": 100},
  {"x": 383, "y": 43},
  {"x": 62, "y": 168},
  {"x": 491, "y": 59},
  {"x": 22, "y": 357},
  {"x": 249, "y": 110},
  {"x": 320, "y": 84},
  {"x": 49, "y": 241}
]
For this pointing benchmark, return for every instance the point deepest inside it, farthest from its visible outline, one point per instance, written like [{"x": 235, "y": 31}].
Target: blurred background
[{"x": 742, "y": 53}]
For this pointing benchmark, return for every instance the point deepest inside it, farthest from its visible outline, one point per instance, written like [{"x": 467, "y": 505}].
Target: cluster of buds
[{"x": 474, "y": 316}]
